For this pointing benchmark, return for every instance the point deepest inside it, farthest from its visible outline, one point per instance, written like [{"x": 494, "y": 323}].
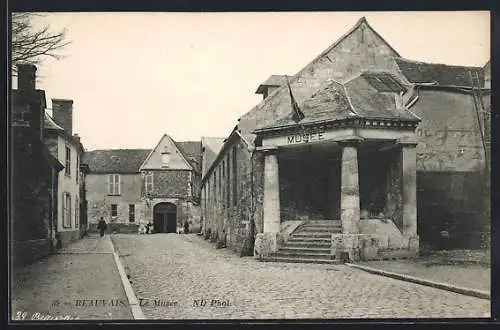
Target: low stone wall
[
  {"x": 266, "y": 244},
  {"x": 117, "y": 227},
  {"x": 27, "y": 252},
  {"x": 287, "y": 228},
  {"x": 65, "y": 238},
  {"x": 356, "y": 247}
]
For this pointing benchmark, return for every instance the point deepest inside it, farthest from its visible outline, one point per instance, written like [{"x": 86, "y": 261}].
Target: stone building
[
  {"x": 33, "y": 174},
  {"x": 159, "y": 186},
  {"x": 68, "y": 149},
  {"x": 383, "y": 139}
]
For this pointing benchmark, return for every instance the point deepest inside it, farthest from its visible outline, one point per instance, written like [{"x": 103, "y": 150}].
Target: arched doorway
[{"x": 165, "y": 218}]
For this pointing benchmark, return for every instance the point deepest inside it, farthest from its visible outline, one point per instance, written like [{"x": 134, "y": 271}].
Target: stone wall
[
  {"x": 99, "y": 202},
  {"x": 227, "y": 210},
  {"x": 27, "y": 252},
  {"x": 171, "y": 183},
  {"x": 452, "y": 193}
]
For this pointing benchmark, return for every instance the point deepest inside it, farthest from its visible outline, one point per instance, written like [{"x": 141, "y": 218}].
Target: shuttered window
[
  {"x": 131, "y": 212},
  {"x": 67, "y": 169},
  {"x": 67, "y": 210},
  {"x": 114, "y": 184},
  {"x": 77, "y": 213},
  {"x": 149, "y": 182}
]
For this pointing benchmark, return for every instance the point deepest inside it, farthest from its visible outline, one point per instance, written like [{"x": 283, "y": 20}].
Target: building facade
[
  {"x": 34, "y": 174},
  {"x": 382, "y": 140},
  {"x": 67, "y": 148},
  {"x": 132, "y": 186}
]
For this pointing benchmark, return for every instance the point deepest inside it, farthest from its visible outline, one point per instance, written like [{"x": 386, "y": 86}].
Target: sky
[{"x": 136, "y": 76}]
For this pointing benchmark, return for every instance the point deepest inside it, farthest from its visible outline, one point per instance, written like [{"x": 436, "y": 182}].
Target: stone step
[
  {"x": 319, "y": 231},
  {"x": 301, "y": 254},
  {"x": 308, "y": 245},
  {"x": 312, "y": 235},
  {"x": 315, "y": 227},
  {"x": 300, "y": 260},
  {"x": 323, "y": 222},
  {"x": 287, "y": 248},
  {"x": 309, "y": 240},
  {"x": 316, "y": 224}
]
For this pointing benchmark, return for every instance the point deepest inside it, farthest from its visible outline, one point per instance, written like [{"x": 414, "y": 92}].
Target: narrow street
[{"x": 185, "y": 277}]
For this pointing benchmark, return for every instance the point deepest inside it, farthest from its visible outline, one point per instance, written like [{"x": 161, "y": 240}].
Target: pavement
[
  {"x": 457, "y": 273},
  {"x": 79, "y": 282},
  {"x": 185, "y": 277}
]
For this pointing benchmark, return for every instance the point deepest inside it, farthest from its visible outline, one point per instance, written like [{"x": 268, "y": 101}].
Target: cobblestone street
[{"x": 171, "y": 274}]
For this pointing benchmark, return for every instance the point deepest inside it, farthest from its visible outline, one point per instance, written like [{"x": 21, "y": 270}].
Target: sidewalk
[
  {"x": 79, "y": 282},
  {"x": 457, "y": 268}
]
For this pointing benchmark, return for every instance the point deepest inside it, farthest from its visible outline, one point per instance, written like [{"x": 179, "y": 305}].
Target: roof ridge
[
  {"x": 124, "y": 149},
  {"x": 431, "y": 63}
]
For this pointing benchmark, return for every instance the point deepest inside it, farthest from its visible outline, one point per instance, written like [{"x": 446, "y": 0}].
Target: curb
[
  {"x": 438, "y": 285},
  {"x": 132, "y": 299}
]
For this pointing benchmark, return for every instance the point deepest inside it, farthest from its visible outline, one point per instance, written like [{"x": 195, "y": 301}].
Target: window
[
  {"x": 228, "y": 181},
  {"x": 66, "y": 210},
  {"x": 77, "y": 168},
  {"x": 67, "y": 169},
  {"x": 114, "y": 210},
  {"x": 223, "y": 187},
  {"x": 131, "y": 212},
  {"x": 149, "y": 182},
  {"x": 219, "y": 191},
  {"x": 165, "y": 159},
  {"x": 234, "y": 172},
  {"x": 77, "y": 213},
  {"x": 114, "y": 184},
  {"x": 215, "y": 185}
]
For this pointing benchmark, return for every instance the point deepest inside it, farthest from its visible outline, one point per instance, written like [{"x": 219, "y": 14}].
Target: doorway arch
[{"x": 165, "y": 218}]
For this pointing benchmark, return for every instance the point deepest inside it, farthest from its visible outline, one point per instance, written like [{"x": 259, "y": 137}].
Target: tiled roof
[
  {"x": 212, "y": 147},
  {"x": 115, "y": 160},
  {"x": 49, "y": 123},
  {"x": 192, "y": 152},
  {"x": 356, "y": 98},
  {"x": 368, "y": 102},
  {"x": 274, "y": 80},
  {"x": 442, "y": 74}
]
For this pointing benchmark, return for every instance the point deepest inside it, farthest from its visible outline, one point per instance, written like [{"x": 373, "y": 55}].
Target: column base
[{"x": 265, "y": 245}]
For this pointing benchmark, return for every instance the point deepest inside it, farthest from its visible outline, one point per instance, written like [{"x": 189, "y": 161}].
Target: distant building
[
  {"x": 159, "y": 186},
  {"x": 388, "y": 155},
  {"x": 33, "y": 174},
  {"x": 67, "y": 148}
]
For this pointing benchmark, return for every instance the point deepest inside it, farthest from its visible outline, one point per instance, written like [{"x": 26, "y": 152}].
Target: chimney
[
  {"x": 62, "y": 112},
  {"x": 270, "y": 85},
  {"x": 26, "y": 77}
]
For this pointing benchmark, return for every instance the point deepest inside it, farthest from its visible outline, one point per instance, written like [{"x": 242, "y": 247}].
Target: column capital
[
  {"x": 267, "y": 150},
  {"x": 409, "y": 141},
  {"x": 352, "y": 141}
]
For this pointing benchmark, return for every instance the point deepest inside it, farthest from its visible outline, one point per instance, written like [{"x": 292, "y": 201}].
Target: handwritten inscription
[
  {"x": 305, "y": 137},
  {"x": 23, "y": 315}
]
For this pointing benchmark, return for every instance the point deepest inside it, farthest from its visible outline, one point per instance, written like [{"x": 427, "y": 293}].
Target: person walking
[
  {"x": 102, "y": 226},
  {"x": 186, "y": 227}
]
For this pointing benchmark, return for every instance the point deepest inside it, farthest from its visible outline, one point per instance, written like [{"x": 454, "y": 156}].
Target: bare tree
[{"x": 31, "y": 44}]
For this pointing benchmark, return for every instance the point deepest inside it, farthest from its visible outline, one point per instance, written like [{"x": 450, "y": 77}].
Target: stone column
[
  {"x": 271, "y": 194},
  {"x": 349, "y": 194},
  {"x": 409, "y": 187}
]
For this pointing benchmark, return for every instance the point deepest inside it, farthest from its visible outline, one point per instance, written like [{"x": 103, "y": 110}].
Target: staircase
[{"x": 309, "y": 243}]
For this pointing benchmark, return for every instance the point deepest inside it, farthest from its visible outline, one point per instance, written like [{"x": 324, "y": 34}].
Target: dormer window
[{"x": 165, "y": 159}]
